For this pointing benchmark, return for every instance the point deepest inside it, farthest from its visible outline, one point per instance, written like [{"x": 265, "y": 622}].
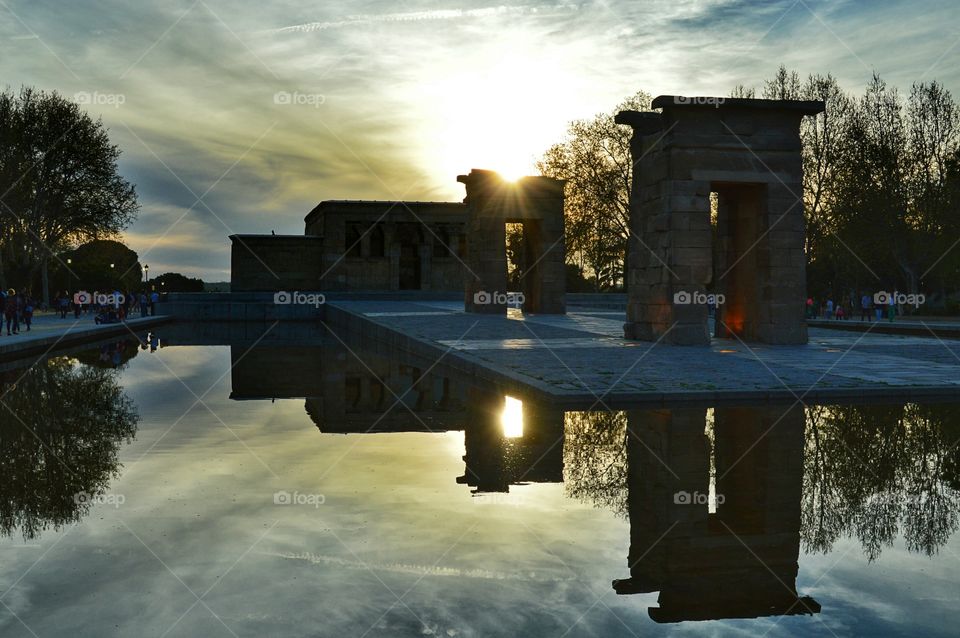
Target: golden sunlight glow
[
  {"x": 499, "y": 108},
  {"x": 512, "y": 417}
]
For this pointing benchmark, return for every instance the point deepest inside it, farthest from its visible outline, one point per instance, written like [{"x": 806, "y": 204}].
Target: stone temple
[
  {"x": 385, "y": 246},
  {"x": 716, "y": 229}
]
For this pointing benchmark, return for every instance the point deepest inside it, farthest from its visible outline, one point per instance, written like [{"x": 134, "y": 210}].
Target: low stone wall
[
  {"x": 262, "y": 306},
  {"x": 259, "y": 307}
]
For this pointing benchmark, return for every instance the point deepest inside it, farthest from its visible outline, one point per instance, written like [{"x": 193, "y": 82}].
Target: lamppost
[
  {"x": 70, "y": 276},
  {"x": 146, "y": 274}
]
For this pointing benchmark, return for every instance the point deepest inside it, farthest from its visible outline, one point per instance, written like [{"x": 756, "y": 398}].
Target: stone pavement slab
[
  {"x": 49, "y": 332},
  {"x": 582, "y": 356}
]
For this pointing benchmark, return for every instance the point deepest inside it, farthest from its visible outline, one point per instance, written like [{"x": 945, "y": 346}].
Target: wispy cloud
[
  {"x": 391, "y": 103},
  {"x": 438, "y": 14}
]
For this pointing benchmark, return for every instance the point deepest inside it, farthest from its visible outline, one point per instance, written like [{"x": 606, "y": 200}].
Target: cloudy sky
[{"x": 239, "y": 116}]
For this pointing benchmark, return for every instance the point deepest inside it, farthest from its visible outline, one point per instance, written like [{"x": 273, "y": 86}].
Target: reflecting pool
[{"x": 295, "y": 484}]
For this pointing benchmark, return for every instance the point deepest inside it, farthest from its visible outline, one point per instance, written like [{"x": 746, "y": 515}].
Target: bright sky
[{"x": 237, "y": 116}]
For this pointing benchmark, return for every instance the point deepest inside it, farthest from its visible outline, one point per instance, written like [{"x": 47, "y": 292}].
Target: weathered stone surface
[
  {"x": 748, "y": 152},
  {"x": 358, "y": 245},
  {"x": 537, "y": 203}
]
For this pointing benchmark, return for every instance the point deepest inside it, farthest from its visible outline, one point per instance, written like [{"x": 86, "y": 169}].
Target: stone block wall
[
  {"x": 748, "y": 152},
  {"x": 270, "y": 263},
  {"x": 537, "y": 203},
  {"x": 388, "y": 245}
]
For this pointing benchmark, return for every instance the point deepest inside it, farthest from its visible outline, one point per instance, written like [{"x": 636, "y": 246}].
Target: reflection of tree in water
[
  {"x": 60, "y": 432},
  {"x": 595, "y": 458},
  {"x": 872, "y": 471}
]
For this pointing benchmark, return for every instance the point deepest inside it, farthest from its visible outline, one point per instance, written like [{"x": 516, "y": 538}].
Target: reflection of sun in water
[{"x": 512, "y": 417}]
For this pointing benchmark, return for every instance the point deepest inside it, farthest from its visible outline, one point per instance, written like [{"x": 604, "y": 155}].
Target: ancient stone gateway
[
  {"x": 535, "y": 202},
  {"x": 743, "y": 254}
]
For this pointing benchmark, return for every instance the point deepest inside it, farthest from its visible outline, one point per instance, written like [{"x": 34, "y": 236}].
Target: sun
[{"x": 498, "y": 110}]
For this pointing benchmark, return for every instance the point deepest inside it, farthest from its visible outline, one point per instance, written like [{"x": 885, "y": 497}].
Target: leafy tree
[
  {"x": 595, "y": 161},
  {"x": 881, "y": 211},
  {"x": 102, "y": 264},
  {"x": 175, "y": 282},
  {"x": 59, "y": 182}
]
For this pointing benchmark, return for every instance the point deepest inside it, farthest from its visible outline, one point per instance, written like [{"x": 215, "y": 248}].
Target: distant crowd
[
  {"x": 871, "y": 307},
  {"x": 112, "y": 307}
]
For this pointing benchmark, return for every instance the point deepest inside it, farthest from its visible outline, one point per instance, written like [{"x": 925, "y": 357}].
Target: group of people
[
  {"x": 112, "y": 307},
  {"x": 17, "y": 310},
  {"x": 870, "y": 309}
]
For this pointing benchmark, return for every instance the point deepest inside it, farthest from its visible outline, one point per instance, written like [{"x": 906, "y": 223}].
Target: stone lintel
[
  {"x": 803, "y": 107},
  {"x": 643, "y": 122}
]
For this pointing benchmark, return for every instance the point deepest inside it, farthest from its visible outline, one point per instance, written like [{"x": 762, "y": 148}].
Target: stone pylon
[{"x": 742, "y": 256}]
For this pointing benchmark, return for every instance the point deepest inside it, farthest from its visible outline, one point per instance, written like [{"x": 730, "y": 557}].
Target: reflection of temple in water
[
  {"x": 714, "y": 515},
  {"x": 500, "y": 453},
  {"x": 715, "y": 524},
  {"x": 346, "y": 395}
]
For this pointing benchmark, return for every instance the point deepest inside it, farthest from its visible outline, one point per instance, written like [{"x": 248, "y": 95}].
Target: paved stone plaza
[
  {"x": 582, "y": 356},
  {"x": 50, "y": 333}
]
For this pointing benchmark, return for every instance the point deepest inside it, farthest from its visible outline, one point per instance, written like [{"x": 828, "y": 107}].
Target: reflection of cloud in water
[{"x": 418, "y": 570}]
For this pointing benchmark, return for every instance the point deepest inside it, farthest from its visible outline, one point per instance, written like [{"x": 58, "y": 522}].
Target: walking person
[
  {"x": 154, "y": 298},
  {"x": 829, "y": 308},
  {"x": 10, "y": 312},
  {"x": 865, "y": 307},
  {"x": 63, "y": 302},
  {"x": 28, "y": 311},
  {"x": 892, "y": 306}
]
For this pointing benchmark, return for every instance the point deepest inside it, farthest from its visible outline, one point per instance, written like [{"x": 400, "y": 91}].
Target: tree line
[{"x": 881, "y": 186}]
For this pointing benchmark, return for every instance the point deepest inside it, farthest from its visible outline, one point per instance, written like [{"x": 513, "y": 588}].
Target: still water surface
[{"x": 218, "y": 491}]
